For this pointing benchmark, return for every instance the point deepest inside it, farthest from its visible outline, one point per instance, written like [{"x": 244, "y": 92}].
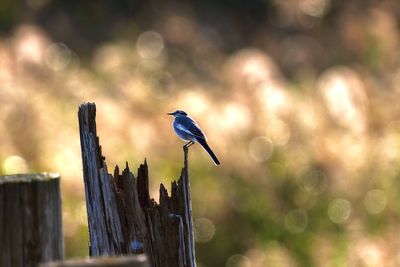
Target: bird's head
[{"x": 177, "y": 113}]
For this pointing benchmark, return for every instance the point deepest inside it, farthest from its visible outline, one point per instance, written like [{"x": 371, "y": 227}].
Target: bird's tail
[{"x": 204, "y": 144}]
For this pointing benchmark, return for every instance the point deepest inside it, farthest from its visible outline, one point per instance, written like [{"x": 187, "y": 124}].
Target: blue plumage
[{"x": 188, "y": 130}]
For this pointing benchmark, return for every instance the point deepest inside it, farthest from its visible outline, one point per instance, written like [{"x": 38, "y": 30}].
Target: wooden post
[
  {"x": 122, "y": 217},
  {"x": 30, "y": 219},
  {"x": 189, "y": 244},
  {"x": 121, "y": 261},
  {"x": 105, "y": 228}
]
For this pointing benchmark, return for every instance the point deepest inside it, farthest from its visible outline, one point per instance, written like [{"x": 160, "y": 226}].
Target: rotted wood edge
[{"x": 121, "y": 261}]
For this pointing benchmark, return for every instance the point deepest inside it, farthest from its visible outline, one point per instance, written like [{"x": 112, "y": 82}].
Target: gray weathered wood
[
  {"x": 122, "y": 217},
  {"x": 106, "y": 237},
  {"x": 30, "y": 219},
  {"x": 189, "y": 244},
  {"x": 121, "y": 261}
]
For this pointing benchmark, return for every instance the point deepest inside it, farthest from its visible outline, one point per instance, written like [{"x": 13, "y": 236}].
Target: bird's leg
[
  {"x": 186, "y": 152},
  {"x": 189, "y": 144}
]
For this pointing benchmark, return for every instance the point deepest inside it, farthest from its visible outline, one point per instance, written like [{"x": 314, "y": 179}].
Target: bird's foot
[{"x": 188, "y": 144}]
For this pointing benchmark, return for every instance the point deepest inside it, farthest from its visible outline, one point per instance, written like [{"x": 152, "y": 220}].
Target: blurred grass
[{"x": 298, "y": 100}]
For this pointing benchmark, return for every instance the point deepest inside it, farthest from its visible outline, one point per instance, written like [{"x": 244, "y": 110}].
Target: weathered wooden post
[
  {"x": 121, "y": 261},
  {"x": 30, "y": 219},
  {"x": 122, "y": 217}
]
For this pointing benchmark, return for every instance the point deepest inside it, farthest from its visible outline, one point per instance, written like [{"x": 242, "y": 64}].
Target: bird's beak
[{"x": 170, "y": 113}]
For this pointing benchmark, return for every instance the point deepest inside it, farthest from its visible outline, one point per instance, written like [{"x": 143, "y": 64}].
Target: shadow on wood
[
  {"x": 122, "y": 217},
  {"x": 30, "y": 219}
]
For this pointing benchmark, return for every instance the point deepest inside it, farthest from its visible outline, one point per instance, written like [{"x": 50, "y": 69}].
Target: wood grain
[
  {"x": 122, "y": 217},
  {"x": 30, "y": 219}
]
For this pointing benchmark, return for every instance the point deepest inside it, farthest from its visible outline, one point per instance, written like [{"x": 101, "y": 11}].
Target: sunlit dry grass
[{"x": 309, "y": 164}]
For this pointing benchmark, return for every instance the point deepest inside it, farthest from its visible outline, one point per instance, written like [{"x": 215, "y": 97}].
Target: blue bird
[{"x": 188, "y": 130}]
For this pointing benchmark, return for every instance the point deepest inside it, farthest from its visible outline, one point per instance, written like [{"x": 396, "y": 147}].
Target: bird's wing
[{"x": 189, "y": 126}]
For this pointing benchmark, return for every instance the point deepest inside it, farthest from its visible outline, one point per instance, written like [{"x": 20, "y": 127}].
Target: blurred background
[{"x": 298, "y": 98}]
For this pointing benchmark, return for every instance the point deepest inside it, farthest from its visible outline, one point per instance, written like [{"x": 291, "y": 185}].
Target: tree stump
[
  {"x": 122, "y": 217},
  {"x": 30, "y": 219}
]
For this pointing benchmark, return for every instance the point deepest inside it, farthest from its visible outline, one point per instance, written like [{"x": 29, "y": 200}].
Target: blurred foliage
[{"x": 299, "y": 100}]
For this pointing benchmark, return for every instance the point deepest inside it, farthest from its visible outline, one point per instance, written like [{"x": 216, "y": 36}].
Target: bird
[{"x": 188, "y": 130}]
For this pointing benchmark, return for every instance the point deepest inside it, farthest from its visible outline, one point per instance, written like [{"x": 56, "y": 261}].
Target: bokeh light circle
[
  {"x": 58, "y": 56},
  {"x": 314, "y": 181},
  {"x": 260, "y": 148},
  {"x": 375, "y": 201},
  {"x": 339, "y": 210},
  {"x": 204, "y": 230},
  {"x": 150, "y": 45},
  {"x": 237, "y": 260},
  {"x": 15, "y": 164},
  {"x": 296, "y": 221}
]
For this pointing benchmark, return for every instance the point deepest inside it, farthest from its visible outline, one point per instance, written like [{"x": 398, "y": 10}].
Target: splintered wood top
[{"x": 28, "y": 178}]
